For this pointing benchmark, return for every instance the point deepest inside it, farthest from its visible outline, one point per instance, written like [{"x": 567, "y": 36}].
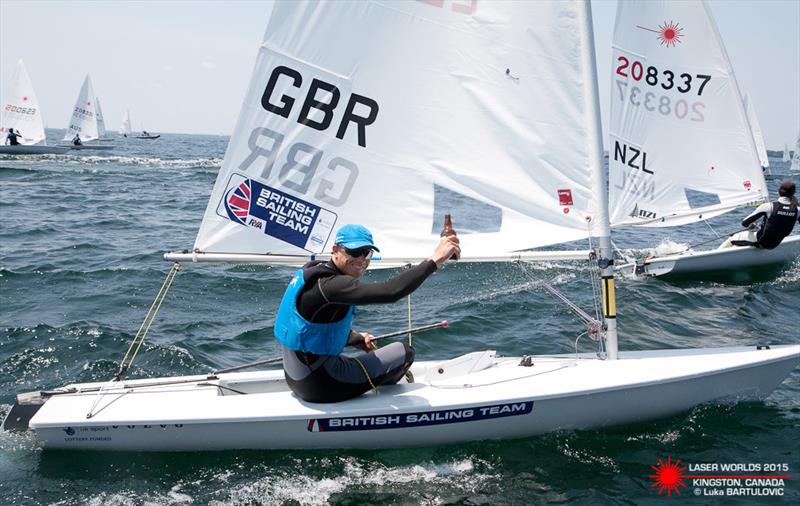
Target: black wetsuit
[
  {"x": 12, "y": 138},
  {"x": 779, "y": 218},
  {"x": 326, "y": 297}
]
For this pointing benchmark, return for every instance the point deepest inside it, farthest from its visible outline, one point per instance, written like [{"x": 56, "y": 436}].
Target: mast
[{"x": 600, "y": 224}]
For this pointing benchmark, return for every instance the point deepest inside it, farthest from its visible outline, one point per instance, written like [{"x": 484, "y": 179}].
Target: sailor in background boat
[
  {"x": 779, "y": 218},
  {"x": 11, "y": 138},
  {"x": 316, "y": 312},
  {"x": 76, "y": 141}
]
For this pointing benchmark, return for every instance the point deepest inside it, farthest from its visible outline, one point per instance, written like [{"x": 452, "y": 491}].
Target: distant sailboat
[
  {"x": 101, "y": 124},
  {"x": 21, "y": 112},
  {"x": 796, "y": 157},
  {"x": 787, "y": 155},
  {"x": 125, "y": 129},
  {"x": 84, "y": 119}
]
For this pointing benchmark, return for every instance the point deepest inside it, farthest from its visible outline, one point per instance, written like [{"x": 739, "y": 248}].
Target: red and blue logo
[{"x": 238, "y": 202}]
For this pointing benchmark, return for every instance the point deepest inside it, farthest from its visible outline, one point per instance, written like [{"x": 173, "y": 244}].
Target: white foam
[
  {"x": 278, "y": 489},
  {"x": 143, "y": 161},
  {"x": 670, "y": 247}
]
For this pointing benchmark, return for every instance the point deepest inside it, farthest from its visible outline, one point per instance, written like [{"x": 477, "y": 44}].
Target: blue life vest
[{"x": 299, "y": 334}]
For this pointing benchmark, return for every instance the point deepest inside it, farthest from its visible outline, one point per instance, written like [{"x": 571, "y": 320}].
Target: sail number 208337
[{"x": 666, "y": 78}]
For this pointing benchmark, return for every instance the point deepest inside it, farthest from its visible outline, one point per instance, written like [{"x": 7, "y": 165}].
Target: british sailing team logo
[
  {"x": 277, "y": 214},
  {"x": 669, "y": 33}
]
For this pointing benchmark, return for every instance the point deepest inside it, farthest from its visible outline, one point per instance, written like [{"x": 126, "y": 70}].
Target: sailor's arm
[{"x": 762, "y": 211}]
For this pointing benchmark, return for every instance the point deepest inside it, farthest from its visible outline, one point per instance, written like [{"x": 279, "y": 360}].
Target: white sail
[
  {"x": 125, "y": 129},
  {"x": 796, "y": 157},
  {"x": 334, "y": 130},
  {"x": 680, "y": 146},
  {"x": 755, "y": 131},
  {"x": 787, "y": 155},
  {"x": 21, "y": 110},
  {"x": 101, "y": 124},
  {"x": 84, "y": 114}
]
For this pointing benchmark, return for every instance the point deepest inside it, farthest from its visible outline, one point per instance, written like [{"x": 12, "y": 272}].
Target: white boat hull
[
  {"x": 717, "y": 260},
  {"x": 33, "y": 150},
  {"x": 483, "y": 397}
]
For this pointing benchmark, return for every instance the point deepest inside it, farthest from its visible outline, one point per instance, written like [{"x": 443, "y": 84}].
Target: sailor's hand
[
  {"x": 752, "y": 225},
  {"x": 447, "y": 248},
  {"x": 364, "y": 341}
]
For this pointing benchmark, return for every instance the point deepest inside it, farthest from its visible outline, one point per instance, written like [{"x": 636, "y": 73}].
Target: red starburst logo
[
  {"x": 24, "y": 99},
  {"x": 668, "y": 476},
  {"x": 669, "y": 33}
]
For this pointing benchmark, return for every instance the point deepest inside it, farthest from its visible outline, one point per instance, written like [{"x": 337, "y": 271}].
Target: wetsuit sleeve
[
  {"x": 348, "y": 290},
  {"x": 762, "y": 211}
]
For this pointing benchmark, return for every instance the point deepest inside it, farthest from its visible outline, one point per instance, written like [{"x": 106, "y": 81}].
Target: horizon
[{"x": 162, "y": 68}]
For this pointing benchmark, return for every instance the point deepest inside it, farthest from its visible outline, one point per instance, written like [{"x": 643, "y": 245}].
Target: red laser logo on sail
[
  {"x": 669, "y": 33},
  {"x": 668, "y": 476}
]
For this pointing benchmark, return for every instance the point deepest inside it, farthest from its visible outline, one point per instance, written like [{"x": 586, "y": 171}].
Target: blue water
[{"x": 80, "y": 260}]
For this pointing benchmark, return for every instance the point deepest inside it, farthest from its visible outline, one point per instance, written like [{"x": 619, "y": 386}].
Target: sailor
[
  {"x": 12, "y": 137},
  {"x": 77, "y": 139},
  {"x": 778, "y": 217},
  {"x": 315, "y": 316}
]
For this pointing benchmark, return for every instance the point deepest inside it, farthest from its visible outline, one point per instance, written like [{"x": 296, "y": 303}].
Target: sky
[{"x": 184, "y": 66}]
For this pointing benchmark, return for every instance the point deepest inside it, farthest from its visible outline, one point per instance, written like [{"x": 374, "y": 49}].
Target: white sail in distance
[
  {"x": 125, "y": 129},
  {"x": 796, "y": 157},
  {"x": 101, "y": 124},
  {"x": 787, "y": 155},
  {"x": 21, "y": 110},
  {"x": 755, "y": 130},
  {"x": 680, "y": 145},
  {"x": 84, "y": 114},
  {"x": 334, "y": 130}
]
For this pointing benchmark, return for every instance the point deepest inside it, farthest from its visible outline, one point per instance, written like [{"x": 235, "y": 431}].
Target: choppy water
[{"x": 80, "y": 260}]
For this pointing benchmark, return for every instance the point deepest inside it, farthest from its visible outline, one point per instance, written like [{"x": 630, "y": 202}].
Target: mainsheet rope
[{"x": 147, "y": 322}]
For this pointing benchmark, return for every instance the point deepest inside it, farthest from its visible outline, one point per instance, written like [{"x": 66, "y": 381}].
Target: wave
[{"x": 143, "y": 161}]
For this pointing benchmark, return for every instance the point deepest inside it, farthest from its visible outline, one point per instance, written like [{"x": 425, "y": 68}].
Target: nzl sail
[
  {"x": 680, "y": 146},
  {"x": 84, "y": 114},
  {"x": 336, "y": 130},
  {"x": 21, "y": 110}
]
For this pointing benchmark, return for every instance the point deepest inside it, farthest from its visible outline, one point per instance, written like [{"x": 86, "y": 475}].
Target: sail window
[
  {"x": 697, "y": 198},
  {"x": 483, "y": 218}
]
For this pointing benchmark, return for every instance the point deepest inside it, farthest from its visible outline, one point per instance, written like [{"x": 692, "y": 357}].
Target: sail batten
[
  {"x": 488, "y": 102},
  {"x": 678, "y": 120}
]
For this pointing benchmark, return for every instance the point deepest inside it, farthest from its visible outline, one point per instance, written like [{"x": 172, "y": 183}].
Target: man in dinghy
[
  {"x": 315, "y": 315},
  {"x": 12, "y": 137},
  {"x": 778, "y": 217}
]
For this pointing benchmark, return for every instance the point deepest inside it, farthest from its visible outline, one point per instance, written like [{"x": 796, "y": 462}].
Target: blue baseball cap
[{"x": 354, "y": 236}]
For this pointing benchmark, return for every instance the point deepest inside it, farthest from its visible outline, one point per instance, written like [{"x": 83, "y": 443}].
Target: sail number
[
  {"x": 20, "y": 110},
  {"x": 681, "y": 109},
  {"x": 83, "y": 112},
  {"x": 667, "y": 79}
]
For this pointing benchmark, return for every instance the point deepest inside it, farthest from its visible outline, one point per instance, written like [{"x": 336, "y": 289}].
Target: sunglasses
[{"x": 366, "y": 251}]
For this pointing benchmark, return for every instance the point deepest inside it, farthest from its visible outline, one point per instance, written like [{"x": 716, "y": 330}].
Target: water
[{"x": 80, "y": 260}]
